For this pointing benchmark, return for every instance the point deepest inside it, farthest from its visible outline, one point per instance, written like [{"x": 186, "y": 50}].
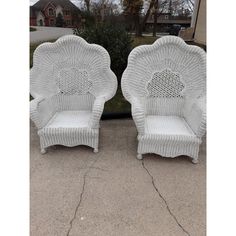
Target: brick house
[
  {"x": 45, "y": 13},
  {"x": 166, "y": 20}
]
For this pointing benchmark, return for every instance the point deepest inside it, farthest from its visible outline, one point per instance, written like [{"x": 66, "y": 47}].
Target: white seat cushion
[
  {"x": 70, "y": 119},
  {"x": 167, "y": 125}
]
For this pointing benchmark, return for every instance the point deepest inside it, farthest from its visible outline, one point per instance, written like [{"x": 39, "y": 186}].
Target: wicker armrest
[
  {"x": 41, "y": 110},
  {"x": 138, "y": 114},
  {"x": 97, "y": 111},
  {"x": 195, "y": 115}
]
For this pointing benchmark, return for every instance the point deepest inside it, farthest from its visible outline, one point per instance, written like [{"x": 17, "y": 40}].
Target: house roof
[
  {"x": 66, "y": 4},
  {"x": 170, "y": 20},
  {"x": 32, "y": 11}
]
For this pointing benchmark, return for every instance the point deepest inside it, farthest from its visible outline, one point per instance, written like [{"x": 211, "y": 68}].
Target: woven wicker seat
[
  {"x": 70, "y": 82},
  {"x": 166, "y": 85}
]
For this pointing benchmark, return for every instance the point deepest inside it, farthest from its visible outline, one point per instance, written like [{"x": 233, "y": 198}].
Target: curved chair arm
[
  {"x": 138, "y": 114},
  {"x": 195, "y": 116},
  {"x": 34, "y": 112},
  {"x": 97, "y": 110},
  {"x": 41, "y": 110},
  {"x": 110, "y": 86},
  {"x": 137, "y": 107}
]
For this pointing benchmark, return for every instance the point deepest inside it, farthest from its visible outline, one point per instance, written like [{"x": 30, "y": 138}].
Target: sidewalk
[
  {"x": 48, "y": 33},
  {"x": 77, "y": 192}
]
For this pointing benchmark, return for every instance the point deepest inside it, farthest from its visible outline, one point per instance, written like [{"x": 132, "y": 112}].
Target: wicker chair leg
[
  {"x": 43, "y": 151},
  {"x": 195, "y": 161},
  {"x": 139, "y": 156}
]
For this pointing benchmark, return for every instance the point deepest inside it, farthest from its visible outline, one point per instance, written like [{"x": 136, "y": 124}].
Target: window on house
[
  {"x": 68, "y": 22},
  {"x": 41, "y": 22},
  {"x": 67, "y": 13},
  {"x": 50, "y": 12},
  {"x": 51, "y": 22}
]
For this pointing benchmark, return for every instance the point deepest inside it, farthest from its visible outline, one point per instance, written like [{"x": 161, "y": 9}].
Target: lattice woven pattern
[
  {"x": 165, "y": 84},
  {"x": 72, "y": 81}
]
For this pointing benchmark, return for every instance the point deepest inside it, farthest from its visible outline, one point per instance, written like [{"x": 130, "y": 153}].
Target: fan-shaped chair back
[
  {"x": 72, "y": 67},
  {"x": 164, "y": 74}
]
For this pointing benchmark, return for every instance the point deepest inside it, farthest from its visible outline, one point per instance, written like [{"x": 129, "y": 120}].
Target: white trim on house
[
  {"x": 53, "y": 12},
  {"x": 49, "y": 3},
  {"x": 39, "y": 17},
  {"x": 58, "y": 10}
]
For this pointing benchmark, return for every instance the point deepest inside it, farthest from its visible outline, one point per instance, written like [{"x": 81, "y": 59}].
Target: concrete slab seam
[
  {"x": 163, "y": 199},
  {"x": 81, "y": 196}
]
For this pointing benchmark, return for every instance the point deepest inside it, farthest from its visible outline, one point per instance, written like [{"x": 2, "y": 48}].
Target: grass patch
[
  {"x": 117, "y": 104},
  {"x": 197, "y": 44},
  {"x": 32, "y": 48},
  {"x": 32, "y": 29},
  {"x": 137, "y": 41}
]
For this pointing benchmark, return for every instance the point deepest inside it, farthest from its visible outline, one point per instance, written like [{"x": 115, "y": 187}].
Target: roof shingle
[{"x": 66, "y": 4}]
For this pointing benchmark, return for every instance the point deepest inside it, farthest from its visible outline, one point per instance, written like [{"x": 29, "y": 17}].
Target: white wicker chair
[
  {"x": 70, "y": 81},
  {"x": 166, "y": 85}
]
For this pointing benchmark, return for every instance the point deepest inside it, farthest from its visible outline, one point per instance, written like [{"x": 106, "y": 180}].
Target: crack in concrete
[
  {"x": 81, "y": 196},
  {"x": 163, "y": 199},
  {"x": 98, "y": 168},
  {"x": 93, "y": 167}
]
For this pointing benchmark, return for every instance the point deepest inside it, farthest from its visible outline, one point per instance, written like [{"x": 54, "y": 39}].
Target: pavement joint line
[
  {"x": 163, "y": 199},
  {"x": 98, "y": 168},
  {"x": 81, "y": 196}
]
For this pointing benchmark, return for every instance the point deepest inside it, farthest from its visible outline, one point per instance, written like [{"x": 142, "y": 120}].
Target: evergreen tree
[{"x": 59, "y": 20}]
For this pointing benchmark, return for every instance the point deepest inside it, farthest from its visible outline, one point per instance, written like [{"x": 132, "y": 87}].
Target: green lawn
[
  {"x": 117, "y": 104},
  {"x": 32, "y": 48},
  {"x": 32, "y": 29},
  {"x": 137, "y": 41}
]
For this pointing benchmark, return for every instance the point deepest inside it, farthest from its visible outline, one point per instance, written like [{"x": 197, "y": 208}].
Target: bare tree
[
  {"x": 134, "y": 8},
  {"x": 151, "y": 4},
  {"x": 85, "y": 4},
  {"x": 103, "y": 8},
  {"x": 158, "y": 8},
  {"x": 190, "y": 4},
  {"x": 88, "y": 2},
  {"x": 180, "y": 6}
]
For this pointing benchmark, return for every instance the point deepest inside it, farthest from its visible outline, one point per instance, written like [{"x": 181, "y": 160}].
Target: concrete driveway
[
  {"x": 78, "y": 193},
  {"x": 48, "y": 33}
]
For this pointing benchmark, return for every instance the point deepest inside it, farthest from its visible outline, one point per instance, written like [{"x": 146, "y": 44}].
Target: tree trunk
[
  {"x": 156, "y": 6},
  {"x": 138, "y": 31},
  {"x": 155, "y": 25},
  {"x": 143, "y": 26},
  {"x": 87, "y": 2}
]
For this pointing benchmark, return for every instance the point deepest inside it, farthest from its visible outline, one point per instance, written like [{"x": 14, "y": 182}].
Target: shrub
[
  {"x": 88, "y": 19},
  {"x": 32, "y": 29},
  {"x": 114, "y": 39},
  {"x": 59, "y": 20}
]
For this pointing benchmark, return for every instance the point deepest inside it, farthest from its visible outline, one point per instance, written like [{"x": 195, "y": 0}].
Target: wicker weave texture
[
  {"x": 70, "y": 81},
  {"x": 166, "y": 85}
]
